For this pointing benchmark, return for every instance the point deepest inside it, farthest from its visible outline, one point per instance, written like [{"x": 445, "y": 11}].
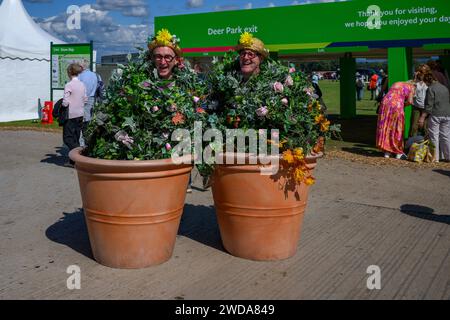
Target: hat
[
  {"x": 163, "y": 38},
  {"x": 248, "y": 41}
]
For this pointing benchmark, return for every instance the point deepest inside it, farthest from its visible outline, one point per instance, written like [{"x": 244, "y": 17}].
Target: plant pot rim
[{"x": 80, "y": 160}]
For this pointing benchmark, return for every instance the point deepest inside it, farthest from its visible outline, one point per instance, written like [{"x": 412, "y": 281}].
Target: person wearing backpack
[{"x": 359, "y": 86}]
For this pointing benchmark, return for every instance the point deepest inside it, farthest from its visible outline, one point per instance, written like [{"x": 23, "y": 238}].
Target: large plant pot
[
  {"x": 132, "y": 208},
  {"x": 259, "y": 216}
]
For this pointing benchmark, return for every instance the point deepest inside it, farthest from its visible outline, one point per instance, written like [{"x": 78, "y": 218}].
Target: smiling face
[
  {"x": 165, "y": 60},
  {"x": 249, "y": 61}
]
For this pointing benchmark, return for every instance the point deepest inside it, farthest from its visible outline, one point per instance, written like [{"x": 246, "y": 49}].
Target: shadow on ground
[
  {"x": 361, "y": 129},
  {"x": 444, "y": 172},
  {"x": 424, "y": 213},
  {"x": 71, "y": 230},
  {"x": 58, "y": 158},
  {"x": 199, "y": 223}
]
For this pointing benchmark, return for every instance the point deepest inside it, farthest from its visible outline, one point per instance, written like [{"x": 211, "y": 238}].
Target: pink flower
[
  {"x": 168, "y": 147},
  {"x": 155, "y": 108},
  {"x": 275, "y": 134},
  {"x": 284, "y": 101},
  {"x": 261, "y": 131},
  {"x": 196, "y": 99},
  {"x": 146, "y": 84},
  {"x": 262, "y": 112},
  {"x": 291, "y": 70},
  {"x": 289, "y": 81},
  {"x": 278, "y": 87}
]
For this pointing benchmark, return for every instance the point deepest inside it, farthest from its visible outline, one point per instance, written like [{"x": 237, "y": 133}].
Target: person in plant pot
[
  {"x": 165, "y": 53},
  {"x": 251, "y": 54}
]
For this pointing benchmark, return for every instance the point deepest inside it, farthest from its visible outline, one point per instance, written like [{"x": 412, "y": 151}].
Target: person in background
[
  {"x": 318, "y": 92},
  {"x": 384, "y": 85},
  {"x": 359, "y": 86},
  {"x": 373, "y": 85},
  {"x": 419, "y": 98},
  {"x": 438, "y": 74},
  {"x": 74, "y": 98},
  {"x": 437, "y": 106},
  {"x": 90, "y": 81},
  {"x": 391, "y": 118}
]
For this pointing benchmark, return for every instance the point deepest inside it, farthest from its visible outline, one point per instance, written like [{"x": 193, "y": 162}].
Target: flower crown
[
  {"x": 248, "y": 41},
  {"x": 164, "y": 38}
]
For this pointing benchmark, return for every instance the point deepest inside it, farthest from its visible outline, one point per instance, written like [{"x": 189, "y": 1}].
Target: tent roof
[{"x": 20, "y": 36}]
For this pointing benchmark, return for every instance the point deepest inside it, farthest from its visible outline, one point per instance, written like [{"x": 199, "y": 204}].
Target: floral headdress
[
  {"x": 163, "y": 38},
  {"x": 248, "y": 41}
]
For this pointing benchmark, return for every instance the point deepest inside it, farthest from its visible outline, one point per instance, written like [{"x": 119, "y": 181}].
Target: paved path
[{"x": 358, "y": 215}]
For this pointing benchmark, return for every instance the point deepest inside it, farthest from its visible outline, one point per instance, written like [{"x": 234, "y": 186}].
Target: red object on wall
[{"x": 47, "y": 117}]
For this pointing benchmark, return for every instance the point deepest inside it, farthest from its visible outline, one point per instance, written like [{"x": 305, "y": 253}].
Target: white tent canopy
[{"x": 24, "y": 63}]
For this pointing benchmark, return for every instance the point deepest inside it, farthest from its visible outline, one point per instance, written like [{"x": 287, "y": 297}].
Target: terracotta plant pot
[
  {"x": 259, "y": 216},
  {"x": 132, "y": 208}
]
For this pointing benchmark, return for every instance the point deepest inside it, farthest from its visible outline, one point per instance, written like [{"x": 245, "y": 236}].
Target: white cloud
[
  {"x": 131, "y": 8},
  {"x": 194, "y": 3},
  {"x": 248, "y": 6},
  {"x": 271, "y": 4},
  {"x": 96, "y": 25}
]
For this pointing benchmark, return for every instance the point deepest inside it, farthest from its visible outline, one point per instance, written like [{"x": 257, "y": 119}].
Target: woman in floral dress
[{"x": 391, "y": 119}]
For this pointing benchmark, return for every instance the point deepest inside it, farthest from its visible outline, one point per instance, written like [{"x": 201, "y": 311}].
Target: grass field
[{"x": 331, "y": 96}]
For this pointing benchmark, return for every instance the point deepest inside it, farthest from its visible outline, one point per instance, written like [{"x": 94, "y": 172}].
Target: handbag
[{"x": 60, "y": 112}]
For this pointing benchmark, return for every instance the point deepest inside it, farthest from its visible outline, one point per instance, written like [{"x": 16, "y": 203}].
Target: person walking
[
  {"x": 437, "y": 106},
  {"x": 75, "y": 99},
  {"x": 359, "y": 86},
  {"x": 373, "y": 85},
  {"x": 391, "y": 118}
]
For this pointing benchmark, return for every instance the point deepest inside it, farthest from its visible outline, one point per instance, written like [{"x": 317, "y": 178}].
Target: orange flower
[
  {"x": 288, "y": 156},
  {"x": 178, "y": 118},
  {"x": 319, "y": 118},
  {"x": 325, "y": 126},
  {"x": 200, "y": 110}
]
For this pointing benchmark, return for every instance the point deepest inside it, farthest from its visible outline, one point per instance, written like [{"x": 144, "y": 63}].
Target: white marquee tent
[{"x": 24, "y": 63}]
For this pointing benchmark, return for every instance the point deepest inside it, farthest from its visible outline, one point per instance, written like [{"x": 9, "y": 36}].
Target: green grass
[
  {"x": 331, "y": 96},
  {"x": 35, "y": 123}
]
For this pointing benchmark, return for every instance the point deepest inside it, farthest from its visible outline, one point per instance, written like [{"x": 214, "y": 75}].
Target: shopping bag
[{"x": 419, "y": 151}]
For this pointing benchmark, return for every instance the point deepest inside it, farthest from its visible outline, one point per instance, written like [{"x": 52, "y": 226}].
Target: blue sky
[{"x": 117, "y": 26}]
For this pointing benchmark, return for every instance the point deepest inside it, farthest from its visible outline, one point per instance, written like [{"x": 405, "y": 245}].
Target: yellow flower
[
  {"x": 325, "y": 126},
  {"x": 246, "y": 39},
  {"x": 310, "y": 181},
  {"x": 317, "y": 105},
  {"x": 299, "y": 175},
  {"x": 319, "y": 118},
  {"x": 298, "y": 154},
  {"x": 288, "y": 156},
  {"x": 164, "y": 37}
]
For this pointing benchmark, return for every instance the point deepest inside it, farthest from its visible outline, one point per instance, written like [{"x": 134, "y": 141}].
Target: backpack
[
  {"x": 100, "y": 92},
  {"x": 60, "y": 112},
  {"x": 359, "y": 83}
]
